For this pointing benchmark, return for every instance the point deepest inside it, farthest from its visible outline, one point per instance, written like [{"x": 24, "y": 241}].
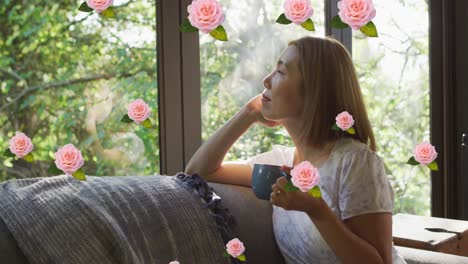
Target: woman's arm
[
  {"x": 366, "y": 237},
  {"x": 210, "y": 155},
  {"x": 207, "y": 161}
]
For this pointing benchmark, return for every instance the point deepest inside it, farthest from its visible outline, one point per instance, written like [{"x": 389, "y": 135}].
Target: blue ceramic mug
[{"x": 263, "y": 177}]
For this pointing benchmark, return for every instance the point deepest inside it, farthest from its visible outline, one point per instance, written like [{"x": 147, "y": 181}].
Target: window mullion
[{"x": 343, "y": 35}]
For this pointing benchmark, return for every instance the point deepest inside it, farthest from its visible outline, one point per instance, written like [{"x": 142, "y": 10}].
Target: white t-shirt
[{"x": 352, "y": 182}]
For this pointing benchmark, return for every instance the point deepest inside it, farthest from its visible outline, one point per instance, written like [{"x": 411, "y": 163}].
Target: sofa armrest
[
  {"x": 418, "y": 256},
  {"x": 254, "y": 222}
]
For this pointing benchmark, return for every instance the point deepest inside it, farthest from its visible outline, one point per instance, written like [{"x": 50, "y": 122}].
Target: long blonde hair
[{"x": 329, "y": 87}]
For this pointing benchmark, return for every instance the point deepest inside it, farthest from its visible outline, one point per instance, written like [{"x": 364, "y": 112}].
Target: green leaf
[
  {"x": 219, "y": 33},
  {"x": 309, "y": 25},
  {"x": 29, "y": 157},
  {"x": 109, "y": 12},
  {"x": 315, "y": 192},
  {"x": 85, "y": 8},
  {"x": 289, "y": 187},
  {"x": 351, "y": 131},
  {"x": 241, "y": 257},
  {"x": 79, "y": 175},
  {"x": 54, "y": 170},
  {"x": 335, "y": 127},
  {"x": 226, "y": 255},
  {"x": 126, "y": 119},
  {"x": 433, "y": 166},
  {"x": 186, "y": 26},
  {"x": 8, "y": 153},
  {"x": 337, "y": 23},
  {"x": 369, "y": 29},
  {"x": 283, "y": 20},
  {"x": 412, "y": 161},
  {"x": 147, "y": 123}
]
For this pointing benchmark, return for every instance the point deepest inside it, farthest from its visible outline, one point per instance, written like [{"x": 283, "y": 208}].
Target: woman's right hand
[{"x": 254, "y": 107}]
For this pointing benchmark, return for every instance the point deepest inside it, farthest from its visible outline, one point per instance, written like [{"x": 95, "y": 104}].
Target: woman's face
[{"x": 282, "y": 97}]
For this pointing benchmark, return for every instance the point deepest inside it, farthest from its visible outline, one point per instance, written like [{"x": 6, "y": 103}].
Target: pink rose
[
  {"x": 235, "y": 247},
  {"x": 68, "y": 159},
  {"x": 356, "y": 13},
  {"x": 21, "y": 145},
  {"x": 174, "y": 262},
  {"x": 344, "y": 121},
  {"x": 425, "y": 153},
  {"x": 205, "y": 15},
  {"x": 99, "y": 5},
  {"x": 138, "y": 111},
  {"x": 298, "y": 11},
  {"x": 305, "y": 176}
]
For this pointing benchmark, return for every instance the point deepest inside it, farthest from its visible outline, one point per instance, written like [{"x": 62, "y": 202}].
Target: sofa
[{"x": 254, "y": 228}]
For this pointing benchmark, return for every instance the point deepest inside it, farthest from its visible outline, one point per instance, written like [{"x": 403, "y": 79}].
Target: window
[
  {"x": 68, "y": 76},
  {"x": 393, "y": 72},
  {"x": 232, "y": 72}
]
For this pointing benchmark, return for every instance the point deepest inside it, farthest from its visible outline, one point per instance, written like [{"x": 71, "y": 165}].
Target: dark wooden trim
[
  {"x": 343, "y": 35},
  {"x": 448, "y": 60},
  {"x": 169, "y": 80},
  {"x": 436, "y": 77},
  {"x": 461, "y": 98},
  {"x": 160, "y": 80},
  {"x": 191, "y": 89},
  {"x": 178, "y": 86},
  {"x": 448, "y": 76}
]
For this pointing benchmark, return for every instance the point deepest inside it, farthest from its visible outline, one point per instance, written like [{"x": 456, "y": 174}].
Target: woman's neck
[{"x": 314, "y": 154}]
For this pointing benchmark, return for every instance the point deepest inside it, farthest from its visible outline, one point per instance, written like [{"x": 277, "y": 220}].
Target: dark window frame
[
  {"x": 179, "y": 87},
  {"x": 448, "y": 75}
]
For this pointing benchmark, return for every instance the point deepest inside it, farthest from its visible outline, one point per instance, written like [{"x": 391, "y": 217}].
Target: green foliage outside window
[{"x": 67, "y": 77}]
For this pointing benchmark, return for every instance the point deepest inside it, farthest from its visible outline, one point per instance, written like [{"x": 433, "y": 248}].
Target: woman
[{"x": 313, "y": 81}]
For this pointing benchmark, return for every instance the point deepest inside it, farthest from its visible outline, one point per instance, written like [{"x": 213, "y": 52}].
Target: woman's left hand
[{"x": 298, "y": 200}]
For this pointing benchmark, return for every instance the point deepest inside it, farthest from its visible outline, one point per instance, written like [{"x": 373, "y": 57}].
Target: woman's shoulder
[
  {"x": 278, "y": 155},
  {"x": 350, "y": 148},
  {"x": 282, "y": 148},
  {"x": 286, "y": 152}
]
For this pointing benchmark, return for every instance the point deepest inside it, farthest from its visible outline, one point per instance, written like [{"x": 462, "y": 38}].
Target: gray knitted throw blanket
[{"x": 132, "y": 219}]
